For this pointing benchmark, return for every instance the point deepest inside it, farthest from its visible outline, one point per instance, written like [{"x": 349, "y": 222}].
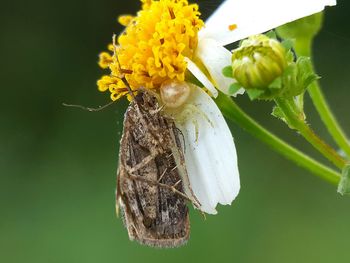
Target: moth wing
[
  {"x": 177, "y": 151},
  {"x": 153, "y": 215}
]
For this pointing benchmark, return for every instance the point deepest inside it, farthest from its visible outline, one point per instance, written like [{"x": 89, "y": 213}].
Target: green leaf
[
  {"x": 227, "y": 72},
  {"x": 254, "y": 93},
  {"x": 234, "y": 87},
  {"x": 344, "y": 184}
]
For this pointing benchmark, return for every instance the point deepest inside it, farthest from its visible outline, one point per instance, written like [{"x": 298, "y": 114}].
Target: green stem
[
  {"x": 234, "y": 113},
  {"x": 328, "y": 118},
  {"x": 303, "y": 48},
  {"x": 297, "y": 121}
]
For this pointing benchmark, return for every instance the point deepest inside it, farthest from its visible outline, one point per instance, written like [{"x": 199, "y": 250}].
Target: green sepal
[
  {"x": 272, "y": 91},
  {"x": 299, "y": 103},
  {"x": 288, "y": 43},
  {"x": 234, "y": 87},
  {"x": 305, "y": 71},
  {"x": 290, "y": 83},
  {"x": 271, "y": 34},
  {"x": 276, "y": 84},
  {"x": 344, "y": 183},
  {"x": 254, "y": 93},
  {"x": 278, "y": 113},
  {"x": 227, "y": 72},
  {"x": 290, "y": 56},
  {"x": 297, "y": 77}
]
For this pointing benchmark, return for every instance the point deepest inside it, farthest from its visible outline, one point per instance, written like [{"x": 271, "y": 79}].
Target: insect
[{"x": 152, "y": 184}]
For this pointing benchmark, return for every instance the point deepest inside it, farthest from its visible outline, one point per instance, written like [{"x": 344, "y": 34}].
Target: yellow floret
[
  {"x": 105, "y": 59},
  {"x": 152, "y": 47},
  {"x": 115, "y": 86},
  {"x": 125, "y": 20}
]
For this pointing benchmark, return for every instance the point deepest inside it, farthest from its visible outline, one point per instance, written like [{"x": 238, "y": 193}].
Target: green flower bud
[{"x": 258, "y": 62}]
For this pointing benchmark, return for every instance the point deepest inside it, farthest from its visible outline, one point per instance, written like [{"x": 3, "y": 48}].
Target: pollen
[
  {"x": 232, "y": 27},
  {"x": 153, "y": 46}
]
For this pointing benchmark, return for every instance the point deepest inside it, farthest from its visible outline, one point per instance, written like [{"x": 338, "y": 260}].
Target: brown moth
[{"x": 152, "y": 184}]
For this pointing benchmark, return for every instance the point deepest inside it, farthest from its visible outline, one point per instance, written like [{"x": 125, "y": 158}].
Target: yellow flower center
[{"x": 153, "y": 46}]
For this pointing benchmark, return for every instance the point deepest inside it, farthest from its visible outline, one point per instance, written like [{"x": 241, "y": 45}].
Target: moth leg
[
  {"x": 169, "y": 187},
  {"x": 162, "y": 175},
  {"x": 152, "y": 112},
  {"x": 177, "y": 183},
  {"x": 173, "y": 188},
  {"x": 143, "y": 163}
]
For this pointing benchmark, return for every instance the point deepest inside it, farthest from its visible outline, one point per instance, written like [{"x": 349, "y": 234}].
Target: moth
[{"x": 152, "y": 183}]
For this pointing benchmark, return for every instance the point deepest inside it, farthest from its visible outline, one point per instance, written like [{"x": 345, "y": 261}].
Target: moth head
[{"x": 147, "y": 99}]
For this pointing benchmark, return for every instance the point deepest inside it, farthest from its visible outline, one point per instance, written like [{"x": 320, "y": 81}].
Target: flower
[
  {"x": 164, "y": 41},
  {"x": 154, "y": 44}
]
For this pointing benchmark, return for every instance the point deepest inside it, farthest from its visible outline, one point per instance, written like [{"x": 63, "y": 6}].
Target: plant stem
[
  {"x": 293, "y": 119},
  {"x": 234, "y": 113},
  {"x": 328, "y": 118},
  {"x": 304, "y": 49}
]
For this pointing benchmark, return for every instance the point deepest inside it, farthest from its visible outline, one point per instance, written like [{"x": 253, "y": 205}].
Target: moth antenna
[
  {"x": 99, "y": 108},
  {"x": 128, "y": 87},
  {"x": 123, "y": 78}
]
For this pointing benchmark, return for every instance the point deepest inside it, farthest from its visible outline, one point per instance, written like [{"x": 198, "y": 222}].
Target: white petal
[
  {"x": 215, "y": 57},
  {"x": 256, "y": 16},
  {"x": 201, "y": 77},
  {"x": 211, "y": 158}
]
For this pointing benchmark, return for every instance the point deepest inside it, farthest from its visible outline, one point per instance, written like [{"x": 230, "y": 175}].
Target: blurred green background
[{"x": 58, "y": 165}]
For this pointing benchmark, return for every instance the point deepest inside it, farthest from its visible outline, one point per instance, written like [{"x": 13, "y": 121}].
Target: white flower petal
[
  {"x": 215, "y": 57},
  {"x": 201, "y": 77},
  {"x": 210, "y": 155},
  {"x": 256, "y": 16}
]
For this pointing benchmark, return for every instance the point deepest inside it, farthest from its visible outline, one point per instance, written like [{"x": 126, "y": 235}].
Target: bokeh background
[{"x": 58, "y": 165}]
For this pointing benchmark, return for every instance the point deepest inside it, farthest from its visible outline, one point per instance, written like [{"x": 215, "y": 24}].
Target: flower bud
[{"x": 258, "y": 61}]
